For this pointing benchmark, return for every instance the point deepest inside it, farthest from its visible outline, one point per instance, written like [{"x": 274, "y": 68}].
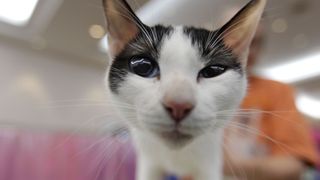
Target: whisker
[
  {"x": 243, "y": 174},
  {"x": 124, "y": 157},
  {"x": 106, "y": 155},
  {"x": 255, "y": 131},
  {"x": 77, "y": 130}
]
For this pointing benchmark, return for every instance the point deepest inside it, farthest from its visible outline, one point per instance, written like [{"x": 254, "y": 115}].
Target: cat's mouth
[{"x": 176, "y": 138}]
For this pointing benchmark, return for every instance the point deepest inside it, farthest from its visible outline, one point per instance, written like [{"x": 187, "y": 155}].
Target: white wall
[{"x": 44, "y": 90}]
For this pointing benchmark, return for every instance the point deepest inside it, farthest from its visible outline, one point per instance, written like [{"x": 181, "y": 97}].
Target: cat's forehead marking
[{"x": 178, "y": 49}]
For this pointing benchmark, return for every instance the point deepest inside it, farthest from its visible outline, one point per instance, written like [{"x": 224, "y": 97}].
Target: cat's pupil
[
  {"x": 144, "y": 67},
  {"x": 212, "y": 71}
]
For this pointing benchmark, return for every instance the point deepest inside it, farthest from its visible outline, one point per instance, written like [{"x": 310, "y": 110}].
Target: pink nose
[{"x": 178, "y": 111}]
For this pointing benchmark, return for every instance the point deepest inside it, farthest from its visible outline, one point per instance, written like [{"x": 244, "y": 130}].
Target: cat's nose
[{"x": 178, "y": 110}]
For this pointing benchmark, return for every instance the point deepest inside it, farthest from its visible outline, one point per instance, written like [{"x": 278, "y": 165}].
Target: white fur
[{"x": 179, "y": 65}]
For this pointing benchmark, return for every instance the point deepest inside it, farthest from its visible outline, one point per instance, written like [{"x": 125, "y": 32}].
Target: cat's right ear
[
  {"x": 240, "y": 30},
  {"x": 122, "y": 24}
]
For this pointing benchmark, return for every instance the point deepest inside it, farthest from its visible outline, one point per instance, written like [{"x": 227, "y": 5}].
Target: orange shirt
[{"x": 288, "y": 132}]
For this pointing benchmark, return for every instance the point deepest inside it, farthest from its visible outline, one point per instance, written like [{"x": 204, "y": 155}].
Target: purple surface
[{"x": 27, "y": 156}]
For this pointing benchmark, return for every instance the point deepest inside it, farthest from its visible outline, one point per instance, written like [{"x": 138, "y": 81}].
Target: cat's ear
[
  {"x": 122, "y": 24},
  {"x": 240, "y": 30}
]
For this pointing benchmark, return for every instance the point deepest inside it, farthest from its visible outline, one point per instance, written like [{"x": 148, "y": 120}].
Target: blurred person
[{"x": 273, "y": 141}]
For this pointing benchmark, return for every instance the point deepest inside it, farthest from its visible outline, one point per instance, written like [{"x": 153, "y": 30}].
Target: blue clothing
[{"x": 171, "y": 178}]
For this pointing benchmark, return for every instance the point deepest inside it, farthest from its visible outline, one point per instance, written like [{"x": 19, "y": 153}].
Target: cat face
[{"x": 175, "y": 83}]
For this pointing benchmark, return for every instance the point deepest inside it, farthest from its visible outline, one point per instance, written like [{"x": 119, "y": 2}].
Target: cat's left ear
[
  {"x": 240, "y": 30},
  {"x": 122, "y": 24}
]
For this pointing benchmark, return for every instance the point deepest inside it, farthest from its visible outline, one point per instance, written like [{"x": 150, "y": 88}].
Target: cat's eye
[
  {"x": 212, "y": 71},
  {"x": 145, "y": 67}
]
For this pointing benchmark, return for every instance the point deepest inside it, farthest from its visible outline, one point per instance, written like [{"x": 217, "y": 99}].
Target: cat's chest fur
[{"x": 203, "y": 156}]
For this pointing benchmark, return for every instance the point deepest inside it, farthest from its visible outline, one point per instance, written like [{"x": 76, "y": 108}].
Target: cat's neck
[{"x": 205, "y": 150}]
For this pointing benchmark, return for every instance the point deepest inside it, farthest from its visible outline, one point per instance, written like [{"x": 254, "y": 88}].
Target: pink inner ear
[
  {"x": 239, "y": 40},
  {"x": 120, "y": 39},
  {"x": 121, "y": 25},
  {"x": 242, "y": 27}
]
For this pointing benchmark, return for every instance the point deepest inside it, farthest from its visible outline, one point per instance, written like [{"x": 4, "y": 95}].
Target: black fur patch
[
  {"x": 146, "y": 44},
  {"x": 212, "y": 48}
]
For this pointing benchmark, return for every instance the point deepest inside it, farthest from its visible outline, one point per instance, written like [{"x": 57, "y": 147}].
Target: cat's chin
[{"x": 176, "y": 139}]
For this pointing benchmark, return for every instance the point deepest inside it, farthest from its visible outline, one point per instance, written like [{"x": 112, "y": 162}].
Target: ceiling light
[
  {"x": 294, "y": 71},
  {"x": 308, "y": 106},
  {"x": 96, "y": 31},
  {"x": 17, "y": 12},
  {"x": 279, "y": 25},
  {"x": 31, "y": 85}
]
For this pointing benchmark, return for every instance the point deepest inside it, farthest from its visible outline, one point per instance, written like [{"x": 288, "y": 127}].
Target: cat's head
[{"x": 177, "y": 83}]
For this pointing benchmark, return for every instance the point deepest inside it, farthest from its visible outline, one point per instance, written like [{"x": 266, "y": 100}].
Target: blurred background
[{"x": 53, "y": 57}]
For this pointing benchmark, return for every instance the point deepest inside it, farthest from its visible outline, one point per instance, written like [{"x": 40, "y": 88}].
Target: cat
[{"x": 170, "y": 83}]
